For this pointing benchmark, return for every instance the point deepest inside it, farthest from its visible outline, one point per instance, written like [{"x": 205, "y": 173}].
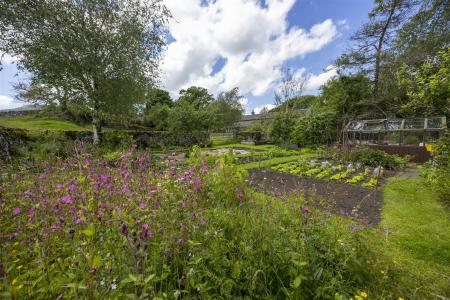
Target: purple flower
[
  {"x": 30, "y": 213},
  {"x": 305, "y": 210},
  {"x": 16, "y": 211},
  {"x": 204, "y": 169},
  {"x": 68, "y": 199},
  {"x": 72, "y": 187},
  {"x": 103, "y": 205},
  {"x": 149, "y": 234},
  {"x": 202, "y": 222},
  {"x": 142, "y": 205},
  {"x": 145, "y": 226},
  {"x": 58, "y": 185},
  {"x": 78, "y": 220}
]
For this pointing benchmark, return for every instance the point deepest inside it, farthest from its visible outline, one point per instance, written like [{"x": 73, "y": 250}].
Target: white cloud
[
  {"x": 316, "y": 81},
  {"x": 258, "y": 109},
  {"x": 253, "y": 40},
  {"x": 244, "y": 102},
  {"x": 7, "y": 102},
  {"x": 343, "y": 24},
  {"x": 7, "y": 59}
]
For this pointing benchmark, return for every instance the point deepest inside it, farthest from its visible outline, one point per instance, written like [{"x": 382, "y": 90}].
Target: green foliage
[
  {"x": 281, "y": 128},
  {"x": 428, "y": 87},
  {"x": 117, "y": 140},
  {"x": 186, "y": 118},
  {"x": 102, "y": 55},
  {"x": 437, "y": 172},
  {"x": 374, "y": 158},
  {"x": 198, "y": 97},
  {"x": 357, "y": 178},
  {"x": 157, "y": 117},
  {"x": 132, "y": 231},
  {"x": 314, "y": 129},
  {"x": 157, "y": 96},
  {"x": 367, "y": 156},
  {"x": 373, "y": 182},
  {"x": 270, "y": 162},
  {"x": 225, "y": 110}
]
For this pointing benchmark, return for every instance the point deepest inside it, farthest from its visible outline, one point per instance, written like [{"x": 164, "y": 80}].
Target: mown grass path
[{"x": 418, "y": 235}]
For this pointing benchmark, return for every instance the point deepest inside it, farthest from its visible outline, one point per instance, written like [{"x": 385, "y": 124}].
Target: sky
[{"x": 222, "y": 44}]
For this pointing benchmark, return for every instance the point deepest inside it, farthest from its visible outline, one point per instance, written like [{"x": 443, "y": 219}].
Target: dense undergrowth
[{"x": 83, "y": 228}]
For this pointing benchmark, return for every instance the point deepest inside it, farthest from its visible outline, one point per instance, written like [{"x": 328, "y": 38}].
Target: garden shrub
[
  {"x": 366, "y": 156},
  {"x": 315, "y": 129},
  {"x": 84, "y": 229},
  {"x": 437, "y": 172},
  {"x": 281, "y": 128}
]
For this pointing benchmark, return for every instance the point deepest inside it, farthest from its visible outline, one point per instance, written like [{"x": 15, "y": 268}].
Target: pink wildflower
[
  {"x": 30, "y": 213},
  {"x": 202, "y": 222},
  {"x": 16, "y": 211},
  {"x": 68, "y": 199},
  {"x": 204, "y": 169},
  {"x": 142, "y": 205},
  {"x": 145, "y": 226},
  {"x": 305, "y": 210},
  {"x": 149, "y": 233}
]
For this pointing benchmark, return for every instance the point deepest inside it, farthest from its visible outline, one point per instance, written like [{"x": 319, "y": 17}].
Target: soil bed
[{"x": 359, "y": 203}]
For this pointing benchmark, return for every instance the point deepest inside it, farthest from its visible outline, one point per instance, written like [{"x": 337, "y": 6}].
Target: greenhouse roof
[{"x": 408, "y": 124}]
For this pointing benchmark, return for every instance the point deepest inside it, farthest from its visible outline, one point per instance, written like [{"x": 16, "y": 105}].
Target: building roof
[{"x": 408, "y": 124}]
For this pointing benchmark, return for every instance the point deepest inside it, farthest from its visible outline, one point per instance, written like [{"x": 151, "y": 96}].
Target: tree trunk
[
  {"x": 380, "y": 46},
  {"x": 96, "y": 124},
  {"x": 96, "y": 129}
]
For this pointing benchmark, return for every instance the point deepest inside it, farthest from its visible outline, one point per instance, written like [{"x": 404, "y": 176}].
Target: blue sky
[{"x": 226, "y": 43}]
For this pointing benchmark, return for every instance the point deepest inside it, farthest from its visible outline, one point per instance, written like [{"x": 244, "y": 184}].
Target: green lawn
[
  {"x": 418, "y": 236},
  {"x": 36, "y": 123},
  {"x": 218, "y": 141}
]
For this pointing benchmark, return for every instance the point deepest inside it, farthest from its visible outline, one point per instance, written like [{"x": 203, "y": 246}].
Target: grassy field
[
  {"x": 37, "y": 123},
  {"x": 418, "y": 235}
]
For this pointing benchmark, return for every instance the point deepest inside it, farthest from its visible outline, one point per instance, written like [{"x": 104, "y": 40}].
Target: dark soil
[{"x": 356, "y": 202}]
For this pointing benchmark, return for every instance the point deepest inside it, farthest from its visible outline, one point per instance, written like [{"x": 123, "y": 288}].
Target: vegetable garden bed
[
  {"x": 329, "y": 170},
  {"x": 359, "y": 203}
]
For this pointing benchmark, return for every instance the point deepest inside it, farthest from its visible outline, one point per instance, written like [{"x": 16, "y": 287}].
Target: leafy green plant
[
  {"x": 373, "y": 182},
  {"x": 325, "y": 173},
  {"x": 437, "y": 172},
  {"x": 357, "y": 178}
]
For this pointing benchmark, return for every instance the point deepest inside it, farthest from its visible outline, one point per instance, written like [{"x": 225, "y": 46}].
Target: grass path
[{"x": 418, "y": 236}]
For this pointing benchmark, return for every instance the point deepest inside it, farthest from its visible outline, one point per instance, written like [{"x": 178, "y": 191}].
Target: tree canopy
[{"x": 102, "y": 54}]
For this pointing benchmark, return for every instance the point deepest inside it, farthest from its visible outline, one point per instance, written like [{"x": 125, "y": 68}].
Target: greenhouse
[{"x": 412, "y": 136}]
